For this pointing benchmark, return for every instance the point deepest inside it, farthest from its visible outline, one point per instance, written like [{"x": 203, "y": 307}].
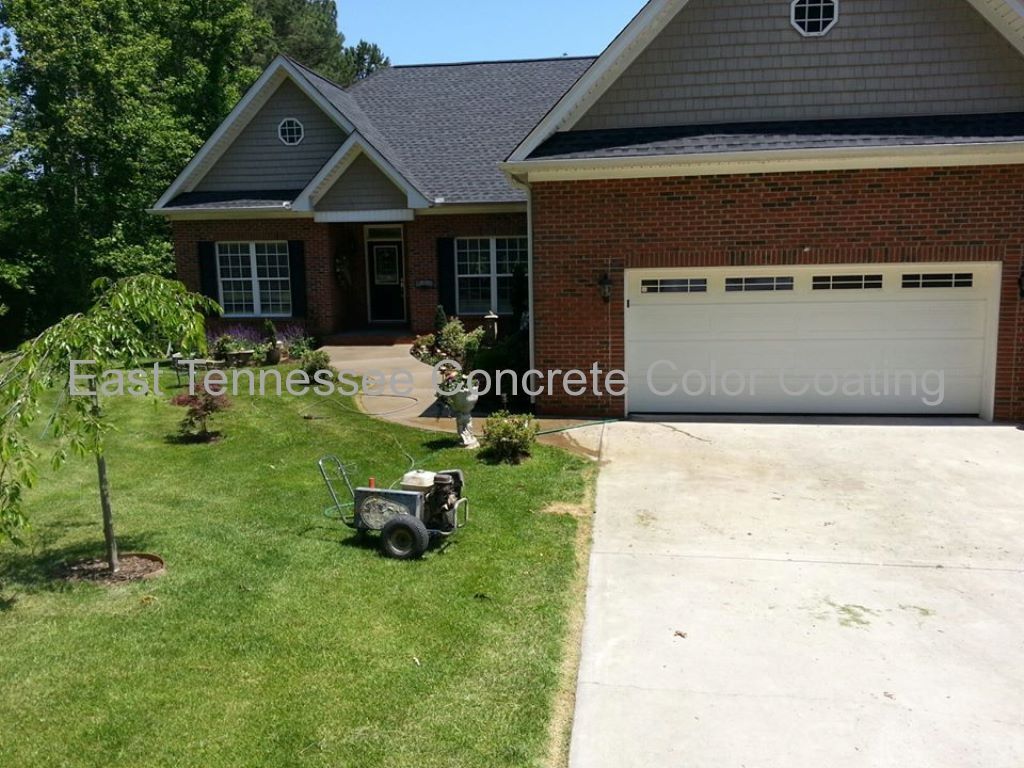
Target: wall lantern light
[{"x": 605, "y": 284}]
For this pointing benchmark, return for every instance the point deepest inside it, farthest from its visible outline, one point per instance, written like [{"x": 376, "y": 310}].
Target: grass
[{"x": 276, "y": 638}]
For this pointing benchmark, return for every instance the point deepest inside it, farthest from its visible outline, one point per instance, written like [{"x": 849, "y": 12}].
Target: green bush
[
  {"x": 509, "y": 438},
  {"x": 314, "y": 361}
]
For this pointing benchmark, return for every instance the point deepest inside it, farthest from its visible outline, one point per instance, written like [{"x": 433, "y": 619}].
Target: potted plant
[
  {"x": 457, "y": 389},
  {"x": 236, "y": 351},
  {"x": 275, "y": 349}
]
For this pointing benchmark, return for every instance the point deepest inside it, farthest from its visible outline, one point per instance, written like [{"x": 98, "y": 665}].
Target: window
[
  {"x": 939, "y": 280},
  {"x": 814, "y": 18},
  {"x": 483, "y": 273},
  {"x": 735, "y": 284},
  {"x": 254, "y": 279},
  {"x": 680, "y": 285},
  {"x": 290, "y": 131},
  {"x": 846, "y": 282}
]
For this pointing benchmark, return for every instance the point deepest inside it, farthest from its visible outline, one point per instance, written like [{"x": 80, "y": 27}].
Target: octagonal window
[
  {"x": 814, "y": 18},
  {"x": 290, "y": 131}
]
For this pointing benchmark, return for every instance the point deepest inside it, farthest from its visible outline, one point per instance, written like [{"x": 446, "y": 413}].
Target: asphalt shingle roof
[
  {"x": 810, "y": 134},
  {"x": 449, "y": 125}
]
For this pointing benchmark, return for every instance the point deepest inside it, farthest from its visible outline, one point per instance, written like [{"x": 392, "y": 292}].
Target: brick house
[{"x": 802, "y": 206}]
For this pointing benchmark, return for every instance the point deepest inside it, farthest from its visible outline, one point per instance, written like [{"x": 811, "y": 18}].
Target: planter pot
[
  {"x": 463, "y": 403},
  {"x": 465, "y": 400},
  {"x": 274, "y": 355},
  {"x": 241, "y": 358}
]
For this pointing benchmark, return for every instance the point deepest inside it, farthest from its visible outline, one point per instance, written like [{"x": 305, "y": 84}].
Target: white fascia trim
[
  {"x": 243, "y": 113},
  {"x": 359, "y": 217},
  {"x": 775, "y": 161},
  {"x": 622, "y": 52},
  {"x": 991, "y": 13},
  {"x": 340, "y": 161}
]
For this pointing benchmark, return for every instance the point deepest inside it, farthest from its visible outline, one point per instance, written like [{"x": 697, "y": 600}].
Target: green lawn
[{"x": 275, "y": 638}]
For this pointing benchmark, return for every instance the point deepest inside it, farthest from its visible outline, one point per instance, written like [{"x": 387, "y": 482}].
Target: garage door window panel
[
  {"x": 847, "y": 282},
  {"x": 676, "y": 285},
  {"x": 939, "y": 280},
  {"x": 750, "y": 284}
]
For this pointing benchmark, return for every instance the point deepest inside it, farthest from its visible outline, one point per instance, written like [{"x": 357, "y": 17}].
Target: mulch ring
[{"x": 134, "y": 567}]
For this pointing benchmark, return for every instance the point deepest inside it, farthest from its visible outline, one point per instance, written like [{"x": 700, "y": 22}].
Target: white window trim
[
  {"x": 798, "y": 28},
  {"x": 302, "y": 131},
  {"x": 493, "y": 274},
  {"x": 254, "y": 279}
]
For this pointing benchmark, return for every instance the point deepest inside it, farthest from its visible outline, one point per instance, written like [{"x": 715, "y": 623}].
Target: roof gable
[
  {"x": 1007, "y": 16},
  {"x": 715, "y": 64},
  {"x": 362, "y": 187},
  {"x": 258, "y": 160}
]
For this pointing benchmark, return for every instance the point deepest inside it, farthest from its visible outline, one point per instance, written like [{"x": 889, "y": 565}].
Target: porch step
[{"x": 370, "y": 338}]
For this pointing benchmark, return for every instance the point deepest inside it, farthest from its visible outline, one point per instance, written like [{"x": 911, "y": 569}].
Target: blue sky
[{"x": 420, "y": 32}]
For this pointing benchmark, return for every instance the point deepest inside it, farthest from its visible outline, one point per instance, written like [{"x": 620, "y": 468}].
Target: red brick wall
[
  {"x": 584, "y": 229},
  {"x": 323, "y": 300},
  {"x": 421, "y": 238},
  {"x": 328, "y": 309}
]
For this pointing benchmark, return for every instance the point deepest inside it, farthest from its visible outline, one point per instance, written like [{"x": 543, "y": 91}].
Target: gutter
[{"x": 767, "y": 161}]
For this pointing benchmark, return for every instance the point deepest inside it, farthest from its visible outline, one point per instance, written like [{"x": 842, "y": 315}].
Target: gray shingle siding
[
  {"x": 258, "y": 160},
  {"x": 728, "y": 61},
  {"x": 363, "y": 187}
]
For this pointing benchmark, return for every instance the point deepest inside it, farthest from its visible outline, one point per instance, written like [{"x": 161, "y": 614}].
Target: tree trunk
[{"x": 108, "y": 514}]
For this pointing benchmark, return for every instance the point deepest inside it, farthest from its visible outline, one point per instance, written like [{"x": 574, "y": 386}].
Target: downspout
[{"x": 529, "y": 290}]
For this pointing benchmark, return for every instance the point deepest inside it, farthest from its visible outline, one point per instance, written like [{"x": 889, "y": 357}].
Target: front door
[{"x": 387, "y": 282}]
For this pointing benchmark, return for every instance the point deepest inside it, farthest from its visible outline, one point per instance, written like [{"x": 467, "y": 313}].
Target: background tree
[
  {"x": 133, "y": 319},
  {"x": 307, "y": 30},
  {"x": 102, "y": 103}
]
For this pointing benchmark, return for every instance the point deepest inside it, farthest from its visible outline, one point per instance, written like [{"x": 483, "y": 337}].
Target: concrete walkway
[
  {"x": 417, "y": 408},
  {"x": 805, "y": 596}
]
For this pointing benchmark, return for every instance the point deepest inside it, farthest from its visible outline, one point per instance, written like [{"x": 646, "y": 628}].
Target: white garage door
[{"x": 867, "y": 339}]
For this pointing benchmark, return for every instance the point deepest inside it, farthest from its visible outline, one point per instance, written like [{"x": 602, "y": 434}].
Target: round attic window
[
  {"x": 290, "y": 131},
  {"x": 814, "y": 18}
]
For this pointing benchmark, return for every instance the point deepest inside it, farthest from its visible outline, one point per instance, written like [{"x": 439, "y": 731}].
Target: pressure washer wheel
[{"x": 404, "y": 538}]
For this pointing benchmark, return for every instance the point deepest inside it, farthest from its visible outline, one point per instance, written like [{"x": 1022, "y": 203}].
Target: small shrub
[
  {"x": 452, "y": 342},
  {"x": 298, "y": 347},
  {"x": 440, "y": 318},
  {"x": 270, "y": 332},
  {"x": 315, "y": 361},
  {"x": 201, "y": 408},
  {"x": 509, "y": 438}
]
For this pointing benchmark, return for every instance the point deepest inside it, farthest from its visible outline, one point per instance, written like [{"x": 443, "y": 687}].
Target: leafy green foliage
[
  {"x": 508, "y": 438},
  {"x": 107, "y": 100},
  {"x": 452, "y": 342},
  {"x": 362, "y": 60},
  {"x": 315, "y": 361},
  {"x": 307, "y": 30},
  {"x": 133, "y": 319}
]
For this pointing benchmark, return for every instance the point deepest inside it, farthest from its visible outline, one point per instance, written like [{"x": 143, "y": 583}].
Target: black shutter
[
  {"x": 208, "y": 269},
  {"x": 297, "y": 274},
  {"x": 446, "y": 274}
]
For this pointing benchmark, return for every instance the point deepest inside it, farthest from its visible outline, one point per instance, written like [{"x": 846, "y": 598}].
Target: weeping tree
[{"x": 132, "y": 319}]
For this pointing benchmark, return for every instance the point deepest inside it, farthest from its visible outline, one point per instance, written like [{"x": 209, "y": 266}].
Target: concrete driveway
[{"x": 805, "y": 595}]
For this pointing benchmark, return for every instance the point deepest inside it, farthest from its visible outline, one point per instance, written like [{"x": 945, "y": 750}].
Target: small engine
[{"x": 441, "y": 494}]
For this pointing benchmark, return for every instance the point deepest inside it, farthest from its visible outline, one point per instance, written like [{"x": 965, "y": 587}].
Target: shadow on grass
[
  {"x": 442, "y": 444},
  {"x": 40, "y": 567},
  {"x": 208, "y": 439}
]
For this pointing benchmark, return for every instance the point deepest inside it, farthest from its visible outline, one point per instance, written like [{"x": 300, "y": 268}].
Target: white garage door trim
[{"x": 650, "y": 321}]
